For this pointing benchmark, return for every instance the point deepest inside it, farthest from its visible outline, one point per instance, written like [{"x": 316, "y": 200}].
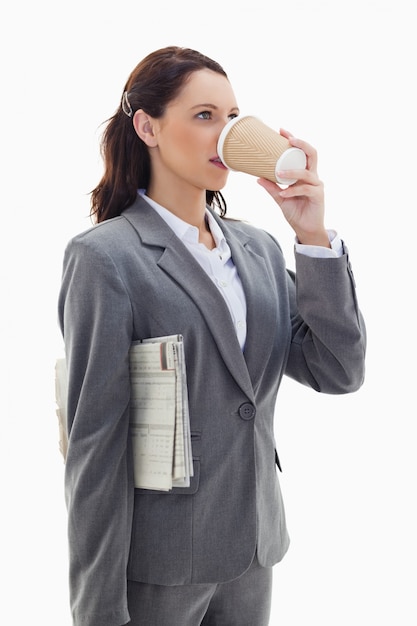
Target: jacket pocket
[{"x": 277, "y": 461}]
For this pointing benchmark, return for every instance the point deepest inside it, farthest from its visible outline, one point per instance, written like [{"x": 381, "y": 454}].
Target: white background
[{"x": 340, "y": 75}]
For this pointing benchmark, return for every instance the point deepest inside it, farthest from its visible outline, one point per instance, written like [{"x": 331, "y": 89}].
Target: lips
[{"x": 218, "y": 162}]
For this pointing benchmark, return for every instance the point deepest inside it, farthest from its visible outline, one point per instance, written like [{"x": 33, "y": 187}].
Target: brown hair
[{"x": 152, "y": 85}]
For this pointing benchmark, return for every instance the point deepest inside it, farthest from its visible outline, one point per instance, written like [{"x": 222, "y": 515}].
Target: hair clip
[{"x": 127, "y": 109}]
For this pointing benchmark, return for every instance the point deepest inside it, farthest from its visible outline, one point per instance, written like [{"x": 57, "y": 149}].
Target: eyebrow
[{"x": 208, "y": 105}]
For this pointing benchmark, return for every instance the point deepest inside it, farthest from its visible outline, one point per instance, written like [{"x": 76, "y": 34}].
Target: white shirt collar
[{"x": 185, "y": 231}]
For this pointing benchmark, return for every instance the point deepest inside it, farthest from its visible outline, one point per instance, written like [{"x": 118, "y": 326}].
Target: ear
[{"x": 144, "y": 125}]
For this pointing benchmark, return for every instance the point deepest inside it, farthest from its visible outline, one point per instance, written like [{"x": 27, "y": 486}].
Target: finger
[
  {"x": 285, "y": 133},
  {"x": 272, "y": 188},
  {"x": 300, "y": 176},
  {"x": 310, "y": 152},
  {"x": 298, "y": 191}
]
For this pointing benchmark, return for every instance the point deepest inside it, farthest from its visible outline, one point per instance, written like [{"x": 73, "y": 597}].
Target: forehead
[{"x": 206, "y": 86}]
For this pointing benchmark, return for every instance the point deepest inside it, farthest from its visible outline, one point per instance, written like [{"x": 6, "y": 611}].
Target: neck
[
  {"x": 190, "y": 207},
  {"x": 193, "y": 214},
  {"x": 205, "y": 235}
]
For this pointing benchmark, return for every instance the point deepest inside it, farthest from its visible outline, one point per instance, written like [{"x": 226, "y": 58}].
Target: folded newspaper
[{"x": 159, "y": 418}]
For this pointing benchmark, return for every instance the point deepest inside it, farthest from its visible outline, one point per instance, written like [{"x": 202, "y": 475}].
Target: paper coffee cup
[{"x": 248, "y": 145}]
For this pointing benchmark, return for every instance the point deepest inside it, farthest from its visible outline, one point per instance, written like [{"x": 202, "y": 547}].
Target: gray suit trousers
[{"x": 244, "y": 601}]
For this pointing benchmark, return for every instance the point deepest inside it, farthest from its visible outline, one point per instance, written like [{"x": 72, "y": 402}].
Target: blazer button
[{"x": 247, "y": 411}]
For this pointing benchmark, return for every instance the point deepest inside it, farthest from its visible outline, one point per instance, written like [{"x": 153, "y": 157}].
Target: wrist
[{"x": 314, "y": 239}]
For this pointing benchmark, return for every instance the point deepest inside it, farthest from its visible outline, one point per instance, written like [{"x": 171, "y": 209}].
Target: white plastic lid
[{"x": 291, "y": 159}]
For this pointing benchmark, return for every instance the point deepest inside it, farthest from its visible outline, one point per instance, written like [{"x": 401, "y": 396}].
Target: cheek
[
  {"x": 185, "y": 142},
  {"x": 175, "y": 143}
]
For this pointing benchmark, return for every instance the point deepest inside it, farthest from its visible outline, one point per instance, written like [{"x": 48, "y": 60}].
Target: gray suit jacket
[{"x": 131, "y": 278}]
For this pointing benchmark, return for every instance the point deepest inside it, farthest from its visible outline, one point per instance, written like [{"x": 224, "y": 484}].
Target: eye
[
  {"x": 233, "y": 115},
  {"x": 205, "y": 115}
]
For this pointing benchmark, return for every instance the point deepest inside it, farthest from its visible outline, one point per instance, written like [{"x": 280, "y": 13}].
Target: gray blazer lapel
[
  {"x": 177, "y": 261},
  {"x": 262, "y": 315}
]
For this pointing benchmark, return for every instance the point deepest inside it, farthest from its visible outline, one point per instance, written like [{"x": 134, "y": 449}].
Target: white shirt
[{"x": 218, "y": 263}]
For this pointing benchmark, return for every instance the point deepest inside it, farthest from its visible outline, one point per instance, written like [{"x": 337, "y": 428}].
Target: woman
[{"x": 163, "y": 259}]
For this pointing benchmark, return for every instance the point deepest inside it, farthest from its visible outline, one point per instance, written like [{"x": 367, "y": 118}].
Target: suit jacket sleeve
[
  {"x": 93, "y": 301},
  {"x": 328, "y": 332}
]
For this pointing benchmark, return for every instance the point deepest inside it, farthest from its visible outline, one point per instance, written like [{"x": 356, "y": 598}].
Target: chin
[{"x": 220, "y": 181}]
